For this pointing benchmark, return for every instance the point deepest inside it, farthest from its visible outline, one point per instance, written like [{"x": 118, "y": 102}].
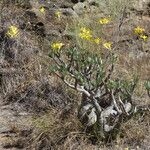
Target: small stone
[{"x": 79, "y": 8}]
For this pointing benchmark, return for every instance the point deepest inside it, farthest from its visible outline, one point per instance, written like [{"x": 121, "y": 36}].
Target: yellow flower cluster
[
  {"x": 140, "y": 32},
  {"x": 58, "y": 14},
  {"x": 57, "y": 46},
  {"x": 85, "y": 33},
  {"x": 144, "y": 37},
  {"x": 12, "y": 31},
  {"x": 42, "y": 9},
  {"x": 107, "y": 45},
  {"x": 97, "y": 40},
  {"x": 104, "y": 20}
]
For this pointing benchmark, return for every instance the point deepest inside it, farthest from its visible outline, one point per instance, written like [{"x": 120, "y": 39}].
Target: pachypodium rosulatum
[
  {"x": 147, "y": 86},
  {"x": 106, "y": 100}
]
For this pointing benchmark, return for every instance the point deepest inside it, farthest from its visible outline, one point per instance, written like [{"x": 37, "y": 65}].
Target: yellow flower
[
  {"x": 126, "y": 148},
  {"x": 104, "y": 20},
  {"x": 85, "y": 33},
  {"x": 85, "y": 30},
  {"x": 144, "y": 37},
  {"x": 107, "y": 45},
  {"x": 97, "y": 40},
  {"x": 57, "y": 46},
  {"x": 58, "y": 14},
  {"x": 138, "y": 30},
  {"x": 42, "y": 9},
  {"x": 12, "y": 31}
]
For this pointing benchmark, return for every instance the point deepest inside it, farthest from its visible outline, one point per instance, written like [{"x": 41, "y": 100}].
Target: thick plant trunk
[{"x": 91, "y": 114}]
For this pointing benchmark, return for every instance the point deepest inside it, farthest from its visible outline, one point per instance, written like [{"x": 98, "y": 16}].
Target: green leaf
[
  {"x": 147, "y": 85},
  {"x": 54, "y": 68},
  {"x": 51, "y": 54},
  {"x": 112, "y": 84}
]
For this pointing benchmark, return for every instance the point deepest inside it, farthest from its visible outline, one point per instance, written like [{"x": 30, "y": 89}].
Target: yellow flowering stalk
[
  {"x": 85, "y": 33},
  {"x": 57, "y": 46},
  {"x": 107, "y": 45},
  {"x": 97, "y": 40},
  {"x": 42, "y": 9},
  {"x": 144, "y": 37},
  {"x": 104, "y": 20},
  {"x": 138, "y": 30},
  {"x": 58, "y": 14},
  {"x": 12, "y": 31}
]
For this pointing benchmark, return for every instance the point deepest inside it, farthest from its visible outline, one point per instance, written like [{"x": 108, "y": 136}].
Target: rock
[
  {"x": 68, "y": 12},
  {"x": 93, "y": 3},
  {"x": 141, "y": 5},
  {"x": 79, "y": 8},
  {"x": 4, "y": 129}
]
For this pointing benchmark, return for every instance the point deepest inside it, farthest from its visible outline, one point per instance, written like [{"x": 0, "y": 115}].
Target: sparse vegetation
[
  {"x": 105, "y": 101},
  {"x": 75, "y": 75}
]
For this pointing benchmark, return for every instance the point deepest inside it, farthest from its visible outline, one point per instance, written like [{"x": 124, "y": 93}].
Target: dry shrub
[
  {"x": 54, "y": 129},
  {"x": 22, "y": 61},
  {"x": 136, "y": 131},
  {"x": 17, "y": 53},
  {"x": 38, "y": 96},
  {"x": 24, "y": 70},
  {"x": 130, "y": 65}
]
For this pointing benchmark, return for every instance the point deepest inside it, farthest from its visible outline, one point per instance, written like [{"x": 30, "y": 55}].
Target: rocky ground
[
  {"x": 14, "y": 126},
  {"x": 27, "y": 88}
]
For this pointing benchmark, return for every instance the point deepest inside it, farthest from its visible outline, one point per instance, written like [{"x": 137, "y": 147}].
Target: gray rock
[
  {"x": 140, "y": 5},
  {"x": 79, "y": 8},
  {"x": 4, "y": 129}
]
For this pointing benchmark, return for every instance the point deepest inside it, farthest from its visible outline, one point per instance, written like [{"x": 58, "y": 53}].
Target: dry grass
[
  {"x": 54, "y": 131},
  {"x": 55, "y": 128},
  {"x": 25, "y": 78}
]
